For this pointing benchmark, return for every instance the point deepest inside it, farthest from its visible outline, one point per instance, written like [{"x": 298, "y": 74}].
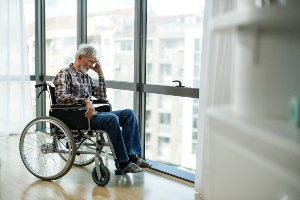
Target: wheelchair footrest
[{"x": 119, "y": 172}]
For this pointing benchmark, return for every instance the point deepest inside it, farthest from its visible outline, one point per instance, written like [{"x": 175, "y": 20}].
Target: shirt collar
[{"x": 74, "y": 70}]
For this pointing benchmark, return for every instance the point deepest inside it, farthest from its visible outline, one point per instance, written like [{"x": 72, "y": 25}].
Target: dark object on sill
[{"x": 180, "y": 85}]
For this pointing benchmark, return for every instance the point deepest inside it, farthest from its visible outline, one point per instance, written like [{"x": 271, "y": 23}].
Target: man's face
[{"x": 87, "y": 63}]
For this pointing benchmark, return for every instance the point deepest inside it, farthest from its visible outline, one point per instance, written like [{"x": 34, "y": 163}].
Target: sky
[{"x": 159, "y": 7}]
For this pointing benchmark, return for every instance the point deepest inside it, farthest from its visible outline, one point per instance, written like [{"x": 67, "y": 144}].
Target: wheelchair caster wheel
[{"x": 101, "y": 181}]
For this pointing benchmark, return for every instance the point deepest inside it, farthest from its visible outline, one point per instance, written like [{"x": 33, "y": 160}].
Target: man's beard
[{"x": 83, "y": 70}]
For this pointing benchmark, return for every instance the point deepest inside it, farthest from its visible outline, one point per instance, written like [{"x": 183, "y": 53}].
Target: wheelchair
[{"x": 50, "y": 145}]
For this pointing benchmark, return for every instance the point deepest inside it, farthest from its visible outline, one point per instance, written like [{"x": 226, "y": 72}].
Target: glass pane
[
  {"x": 120, "y": 99},
  {"x": 30, "y": 38},
  {"x": 61, "y": 34},
  {"x": 33, "y": 97},
  {"x": 110, "y": 27},
  {"x": 171, "y": 134},
  {"x": 30, "y": 33},
  {"x": 174, "y": 42}
]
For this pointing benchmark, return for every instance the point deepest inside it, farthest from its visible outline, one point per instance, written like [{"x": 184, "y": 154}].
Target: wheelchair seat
[{"x": 66, "y": 137}]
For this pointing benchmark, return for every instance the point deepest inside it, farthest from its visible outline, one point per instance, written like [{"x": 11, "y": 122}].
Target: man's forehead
[{"x": 91, "y": 56}]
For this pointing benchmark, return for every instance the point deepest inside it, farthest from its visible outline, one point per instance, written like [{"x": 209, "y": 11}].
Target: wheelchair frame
[{"x": 49, "y": 147}]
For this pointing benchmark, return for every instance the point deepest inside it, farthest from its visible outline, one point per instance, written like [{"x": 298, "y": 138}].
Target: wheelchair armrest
[
  {"x": 97, "y": 101},
  {"x": 74, "y": 106},
  {"x": 102, "y": 105}
]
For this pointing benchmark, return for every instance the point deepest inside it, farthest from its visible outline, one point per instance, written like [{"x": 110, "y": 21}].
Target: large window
[
  {"x": 110, "y": 27},
  {"x": 30, "y": 38},
  {"x": 120, "y": 99},
  {"x": 174, "y": 38},
  {"x": 172, "y": 131},
  {"x": 61, "y": 34}
]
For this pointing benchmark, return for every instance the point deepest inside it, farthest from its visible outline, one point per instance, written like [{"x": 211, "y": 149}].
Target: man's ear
[{"x": 79, "y": 58}]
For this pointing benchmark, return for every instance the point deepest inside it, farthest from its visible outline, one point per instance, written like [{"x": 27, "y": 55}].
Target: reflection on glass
[
  {"x": 120, "y": 99},
  {"x": 110, "y": 27},
  {"x": 61, "y": 34},
  {"x": 171, "y": 130},
  {"x": 174, "y": 41}
]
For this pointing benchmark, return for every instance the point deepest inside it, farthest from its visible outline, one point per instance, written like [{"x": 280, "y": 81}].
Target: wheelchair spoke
[{"x": 39, "y": 149}]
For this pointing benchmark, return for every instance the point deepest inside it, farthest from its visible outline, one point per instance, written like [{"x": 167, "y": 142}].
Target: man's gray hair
[{"x": 85, "y": 50}]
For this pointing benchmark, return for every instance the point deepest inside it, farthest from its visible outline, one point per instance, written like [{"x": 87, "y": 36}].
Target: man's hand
[
  {"x": 90, "y": 110},
  {"x": 97, "y": 67}
]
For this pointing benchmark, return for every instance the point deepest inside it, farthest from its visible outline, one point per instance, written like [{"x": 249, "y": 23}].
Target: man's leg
[
  {"x": 130, "y": 130},
  {"x": 131, "y": 136},
  {"x": 109, "y": 122}
]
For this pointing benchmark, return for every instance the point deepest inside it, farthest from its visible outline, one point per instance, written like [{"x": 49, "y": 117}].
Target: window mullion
[
  {"x": 81, "y": 21},
  {"x": 40, "y": 54},
  {"x": 139, "y": 64}
]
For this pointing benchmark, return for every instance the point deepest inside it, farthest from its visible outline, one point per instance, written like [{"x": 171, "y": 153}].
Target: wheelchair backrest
[
  {"x": 52, "y": 94},
  {"x": 100, "y": 105}
]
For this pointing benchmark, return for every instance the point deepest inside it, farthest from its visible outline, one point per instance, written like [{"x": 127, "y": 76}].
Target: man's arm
[
  {"x": 100, "y": 91},
  {"x": 90, "y": 110}
]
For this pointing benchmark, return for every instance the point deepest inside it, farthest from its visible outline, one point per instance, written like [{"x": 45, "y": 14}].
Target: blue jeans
[{"x": 126, "y": 141}]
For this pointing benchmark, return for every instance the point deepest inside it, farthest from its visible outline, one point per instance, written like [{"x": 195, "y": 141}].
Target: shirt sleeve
[
  {"x": 63, "y": 90},
  {"x": 100, "y": 91}
]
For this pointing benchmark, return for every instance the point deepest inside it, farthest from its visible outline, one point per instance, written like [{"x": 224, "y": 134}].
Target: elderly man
[{"x": 74, "y": 86}]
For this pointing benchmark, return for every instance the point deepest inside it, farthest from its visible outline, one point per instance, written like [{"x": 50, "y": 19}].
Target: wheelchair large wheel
[
  {"x": 41, "y": 142},
  {"x": 105, "y": 175},
  {"x": 83, "y": 159}
]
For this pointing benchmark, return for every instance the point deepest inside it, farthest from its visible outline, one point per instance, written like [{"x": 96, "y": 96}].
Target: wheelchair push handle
[
  {"x": 44, "y": 85},
  {"x": 39, "y": 85}
]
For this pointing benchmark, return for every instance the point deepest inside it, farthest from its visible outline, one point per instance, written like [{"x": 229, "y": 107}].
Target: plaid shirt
[{"x": 72, "y": 87}]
